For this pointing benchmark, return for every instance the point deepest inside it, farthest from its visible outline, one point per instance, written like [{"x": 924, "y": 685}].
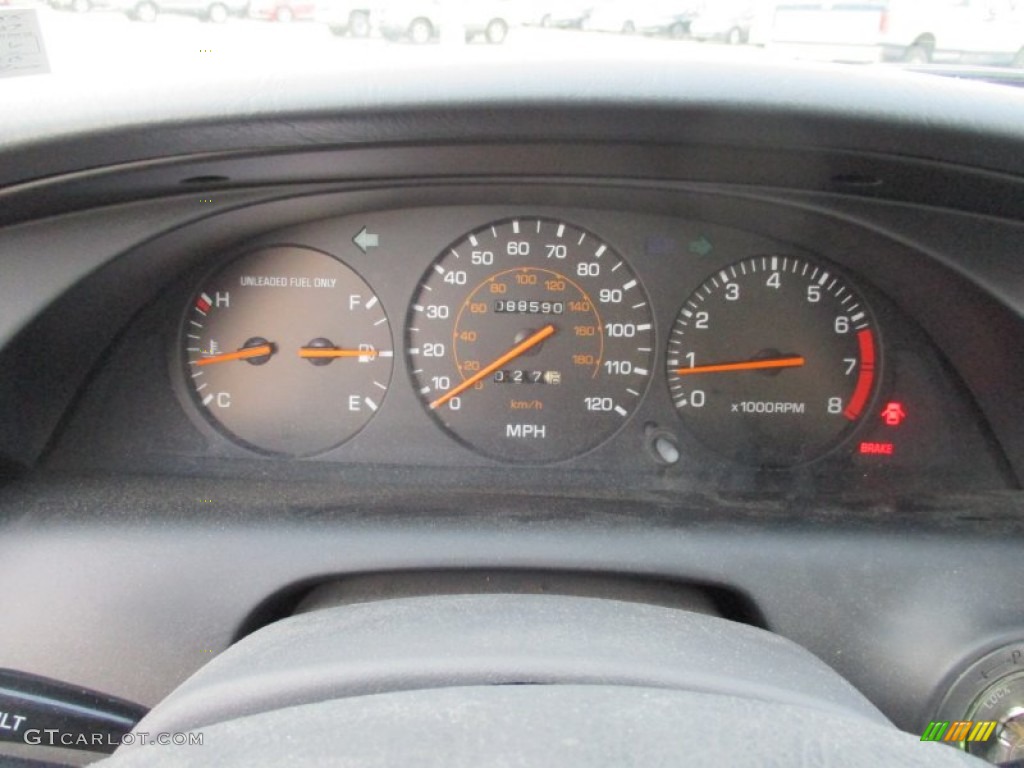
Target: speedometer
[{"x": 530, "y": 340}]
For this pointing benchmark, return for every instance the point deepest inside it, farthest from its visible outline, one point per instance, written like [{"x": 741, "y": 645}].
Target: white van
[{"x": 917, "y": 31}]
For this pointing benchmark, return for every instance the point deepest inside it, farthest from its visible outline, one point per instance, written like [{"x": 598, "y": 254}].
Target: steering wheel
[{"x": 511, "y": 679}]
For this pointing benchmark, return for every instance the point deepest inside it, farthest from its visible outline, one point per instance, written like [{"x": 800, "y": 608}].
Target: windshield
[{"x": 150, "y": 41}]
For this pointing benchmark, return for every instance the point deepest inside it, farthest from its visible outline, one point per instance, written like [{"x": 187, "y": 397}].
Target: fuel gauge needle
[
  {"x": 246, "y": 353},
  {"x": 328, "y": 352},
  {"x": 522, "y": 347},
  {"x": 795, "y": 361}
]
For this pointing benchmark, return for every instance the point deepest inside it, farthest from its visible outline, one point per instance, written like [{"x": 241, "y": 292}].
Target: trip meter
[
  {"x": 530, "y": 340},
  {"x": 773, "y": 360}
]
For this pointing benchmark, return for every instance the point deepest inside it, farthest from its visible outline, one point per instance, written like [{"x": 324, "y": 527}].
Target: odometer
[
  {"x": 773, "y": 361},
  {"x": 530, "y": 340}
]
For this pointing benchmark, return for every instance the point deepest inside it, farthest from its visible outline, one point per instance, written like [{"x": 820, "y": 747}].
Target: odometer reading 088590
[{"x": 530, "y": 340}]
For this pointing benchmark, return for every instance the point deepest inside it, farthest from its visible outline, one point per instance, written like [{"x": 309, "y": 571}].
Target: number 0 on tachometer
[{"x": 530, "y": 340}]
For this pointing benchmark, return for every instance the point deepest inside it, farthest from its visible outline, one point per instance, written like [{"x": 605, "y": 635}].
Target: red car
[{"x": 282, "y": 10}]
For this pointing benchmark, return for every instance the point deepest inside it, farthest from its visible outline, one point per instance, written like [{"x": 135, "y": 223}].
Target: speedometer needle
[
  {"x": 523, "y": 346},
  {"x": 246, "y": 353},
  {"x": 320, "y": 352},
  {"x": 751, "y": 365}
]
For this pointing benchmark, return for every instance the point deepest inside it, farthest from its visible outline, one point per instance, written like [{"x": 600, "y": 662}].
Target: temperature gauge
[{"x": 287, "y": 351}]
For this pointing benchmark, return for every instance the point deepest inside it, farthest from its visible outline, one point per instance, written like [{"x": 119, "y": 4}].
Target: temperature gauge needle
[
  {"x": 750, "y": 365},
  {"x": 320, "y": 352},
  {"x": 520, "y": 348},
  {"x": 246, "y": 353}
]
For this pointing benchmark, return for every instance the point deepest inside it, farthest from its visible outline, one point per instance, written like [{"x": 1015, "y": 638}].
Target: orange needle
[
  {"x": 242, "y": 354},
  {"x": 509, "y": 356},
  {"x": 328, "y": 352},
  {"x": 752, "y": 365}
]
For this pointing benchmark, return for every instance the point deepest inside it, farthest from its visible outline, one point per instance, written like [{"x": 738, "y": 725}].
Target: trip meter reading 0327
[{"x": 530, "y": 340}]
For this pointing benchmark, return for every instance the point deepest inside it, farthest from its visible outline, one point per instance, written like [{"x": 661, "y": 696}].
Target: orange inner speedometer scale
[{"x": 465, "y": 339}]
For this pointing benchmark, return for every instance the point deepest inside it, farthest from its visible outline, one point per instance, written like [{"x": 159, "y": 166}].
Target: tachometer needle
[
  {"x": 751, "y": 365},
  {"x": 245, "y": 353},
  {"x": 520, "y": 348},
  {"x": 320, "y": 352}
]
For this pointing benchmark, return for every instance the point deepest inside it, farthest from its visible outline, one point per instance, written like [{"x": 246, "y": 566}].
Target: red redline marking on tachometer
[{"x": 866, "y": 377}]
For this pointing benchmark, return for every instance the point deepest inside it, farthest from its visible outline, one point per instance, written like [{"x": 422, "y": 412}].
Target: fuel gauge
[{"x": 287, "y": 351}]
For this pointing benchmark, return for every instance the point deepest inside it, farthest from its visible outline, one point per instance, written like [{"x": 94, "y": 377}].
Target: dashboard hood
[{"x": 659, "y": 97}]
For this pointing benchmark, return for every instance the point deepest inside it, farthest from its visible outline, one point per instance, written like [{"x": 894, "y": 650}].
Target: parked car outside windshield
[{"x": 188, "y": 40}]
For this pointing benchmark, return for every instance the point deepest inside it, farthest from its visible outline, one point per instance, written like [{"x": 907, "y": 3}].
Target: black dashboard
[
  {"x": 915, "y": 427},
  {"x": 770, "y": 348}
]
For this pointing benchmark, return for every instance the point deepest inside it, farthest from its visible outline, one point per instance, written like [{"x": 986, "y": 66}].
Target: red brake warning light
[
  {"x": 877, "y": 449},
  {"x": 893, "y": 414}
]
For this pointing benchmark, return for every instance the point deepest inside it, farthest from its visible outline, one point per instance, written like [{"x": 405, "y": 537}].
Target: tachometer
[
  {"x": 773, "y": 360},
  {"x": 287, "y": 350},
  {"x": 530, "y": 340}
]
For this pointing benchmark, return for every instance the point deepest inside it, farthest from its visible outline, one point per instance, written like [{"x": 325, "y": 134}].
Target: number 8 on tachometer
[{"x": 530, "y": 340}]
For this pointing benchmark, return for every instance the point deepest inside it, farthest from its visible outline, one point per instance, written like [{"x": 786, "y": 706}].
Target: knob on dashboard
[{"x": 983, "y": 711}]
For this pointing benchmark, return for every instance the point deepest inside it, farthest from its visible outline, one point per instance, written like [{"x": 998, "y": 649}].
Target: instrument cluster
[{"x": 532, "y": 336}]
